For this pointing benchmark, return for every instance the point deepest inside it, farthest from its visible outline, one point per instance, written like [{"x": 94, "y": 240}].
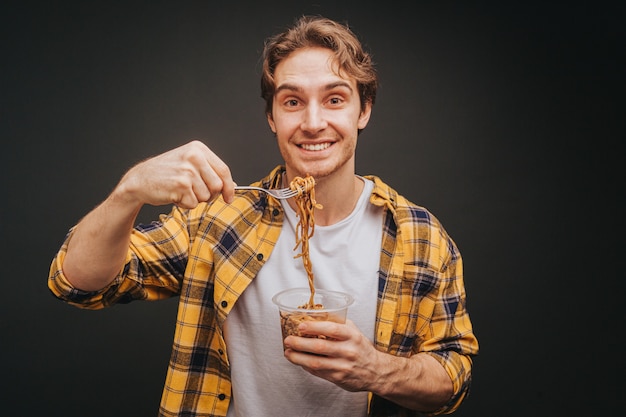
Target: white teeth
[{"x": 316, "y": 147}]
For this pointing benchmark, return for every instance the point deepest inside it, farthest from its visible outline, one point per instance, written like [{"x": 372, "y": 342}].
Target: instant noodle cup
[{"x": 292, "y": 303}]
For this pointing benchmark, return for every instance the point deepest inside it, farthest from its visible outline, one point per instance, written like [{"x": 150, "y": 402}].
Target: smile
[{"x": 315, "y": 147}]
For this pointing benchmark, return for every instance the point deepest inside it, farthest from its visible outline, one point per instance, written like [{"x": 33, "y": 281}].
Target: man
[{"x": 408, "y": 343}]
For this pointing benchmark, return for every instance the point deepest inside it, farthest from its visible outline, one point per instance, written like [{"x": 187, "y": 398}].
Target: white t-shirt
[{"x": 345, "y": 257}]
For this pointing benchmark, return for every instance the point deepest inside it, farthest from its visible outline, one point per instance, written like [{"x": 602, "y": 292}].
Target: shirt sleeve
[
  {"x": 154, "y": 267},
  {"x": 449, "y": 337},
  {"x": 430, "y": 311}
]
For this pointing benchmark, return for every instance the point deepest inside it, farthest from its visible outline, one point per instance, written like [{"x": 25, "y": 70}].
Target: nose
[{"x": 313, "y": 118}]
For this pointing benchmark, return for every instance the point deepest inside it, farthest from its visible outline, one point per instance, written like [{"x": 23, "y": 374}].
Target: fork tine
[
  {"x": 281, "y": 193},
  {"x": 285, "y": 193}
]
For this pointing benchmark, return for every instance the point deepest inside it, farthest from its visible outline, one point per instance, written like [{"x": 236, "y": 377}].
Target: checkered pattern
[{"x": 209, "y": 255}]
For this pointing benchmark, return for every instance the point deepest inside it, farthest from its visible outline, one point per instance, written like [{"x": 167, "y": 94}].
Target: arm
[
  {"x": 427, "y": 366},
  {"x": 184, "y": 176},
  {"x": 350, "y": 361},
  {"x": 417, "y": 383}
]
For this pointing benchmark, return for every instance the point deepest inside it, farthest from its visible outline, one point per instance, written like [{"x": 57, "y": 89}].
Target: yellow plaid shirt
[{"x": 208, "y": 256}]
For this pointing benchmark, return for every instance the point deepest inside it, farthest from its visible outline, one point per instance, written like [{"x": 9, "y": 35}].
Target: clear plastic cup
[{"x": 291, "y": 305}]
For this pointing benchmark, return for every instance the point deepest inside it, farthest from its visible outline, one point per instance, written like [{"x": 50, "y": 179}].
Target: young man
[{"x": 408, "y": 343}]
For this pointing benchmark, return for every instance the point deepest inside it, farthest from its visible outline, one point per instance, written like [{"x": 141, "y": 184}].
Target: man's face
[{"x": 316, "y": 115}]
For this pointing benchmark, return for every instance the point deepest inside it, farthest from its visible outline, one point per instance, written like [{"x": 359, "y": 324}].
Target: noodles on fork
[{"x": 306, "y": 204}]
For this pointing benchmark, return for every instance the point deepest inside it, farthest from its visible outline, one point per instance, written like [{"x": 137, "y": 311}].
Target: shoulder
[
  {"x": 414, "y": 224},
  {"x": 403, "y": 210}
]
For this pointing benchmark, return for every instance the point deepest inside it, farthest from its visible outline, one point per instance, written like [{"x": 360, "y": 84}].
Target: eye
[
  {"x": 291, "y": 102},
  {"x": 335, "y": 101}
]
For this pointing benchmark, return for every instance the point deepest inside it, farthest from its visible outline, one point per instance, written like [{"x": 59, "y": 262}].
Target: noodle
[{"x": 306, "y": 204}]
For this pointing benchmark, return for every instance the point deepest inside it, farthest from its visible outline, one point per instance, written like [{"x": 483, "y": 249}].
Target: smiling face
[{"x": 316, "y": 115}]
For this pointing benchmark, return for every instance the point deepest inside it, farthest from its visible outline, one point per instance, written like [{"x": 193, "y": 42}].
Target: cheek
[
  {"x": 347, "y": 125},
  {"x": 286, "y": 126}
]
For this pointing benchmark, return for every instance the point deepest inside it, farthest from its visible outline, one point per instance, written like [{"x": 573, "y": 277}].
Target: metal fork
[{"x": 280, "y": 193}]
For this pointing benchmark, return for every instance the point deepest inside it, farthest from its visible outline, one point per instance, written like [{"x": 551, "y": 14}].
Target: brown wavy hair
[{"x": 316, "y": 31}]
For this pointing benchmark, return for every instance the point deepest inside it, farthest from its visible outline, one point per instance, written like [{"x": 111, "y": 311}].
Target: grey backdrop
[{"x": 502, "y": 119}]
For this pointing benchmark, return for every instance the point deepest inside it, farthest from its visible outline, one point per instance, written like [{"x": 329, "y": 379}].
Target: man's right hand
[{"x": 184, "y": 176}]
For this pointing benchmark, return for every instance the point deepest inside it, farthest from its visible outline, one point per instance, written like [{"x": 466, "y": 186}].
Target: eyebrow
[{"x": 327, "y": 87}]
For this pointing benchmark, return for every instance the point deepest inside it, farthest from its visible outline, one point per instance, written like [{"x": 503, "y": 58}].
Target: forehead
[{"x": 308, "y": 67}]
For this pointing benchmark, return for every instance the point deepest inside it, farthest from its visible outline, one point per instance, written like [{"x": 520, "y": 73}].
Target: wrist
[
  {"x": 385, "y": 368},
  {"x": 125, "y": 196}
]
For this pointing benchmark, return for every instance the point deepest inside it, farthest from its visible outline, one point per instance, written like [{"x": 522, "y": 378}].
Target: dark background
[{"x": 502, "y": 118}]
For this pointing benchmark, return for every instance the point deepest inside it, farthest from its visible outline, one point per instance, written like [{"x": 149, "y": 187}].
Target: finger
[
  {"x": 210, "y": 181},
  {"x": 200, "y": 189},
  {"x": 328, "y": 329},
  {"x": 317, "y": 346},
  {"x": 189, "y": 187},
  {"x": 186, "y": 200},
  {"x": 205, "y": 182},
  {"x": 216, "y": 174}
]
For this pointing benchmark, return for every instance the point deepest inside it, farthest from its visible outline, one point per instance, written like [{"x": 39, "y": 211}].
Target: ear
[
  {"x": 270, "y": 121},
  {"x": 364, "y": 117}
]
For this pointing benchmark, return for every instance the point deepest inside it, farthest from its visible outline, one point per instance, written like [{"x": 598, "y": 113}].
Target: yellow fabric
[{"x": 210, "y": 254}]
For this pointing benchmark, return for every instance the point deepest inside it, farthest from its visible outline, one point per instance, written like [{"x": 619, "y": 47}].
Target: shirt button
[
  {"x": 259, "y": 257},
  {"x": 220, "y": 351},
  {"x": 224, "y": 304},
  {"x": 221, "y": 397}
]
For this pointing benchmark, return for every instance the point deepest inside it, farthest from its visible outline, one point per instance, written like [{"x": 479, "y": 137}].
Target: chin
[
  {"x": 316, "y": 169},
  {"x": 318, "y": 173}
]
